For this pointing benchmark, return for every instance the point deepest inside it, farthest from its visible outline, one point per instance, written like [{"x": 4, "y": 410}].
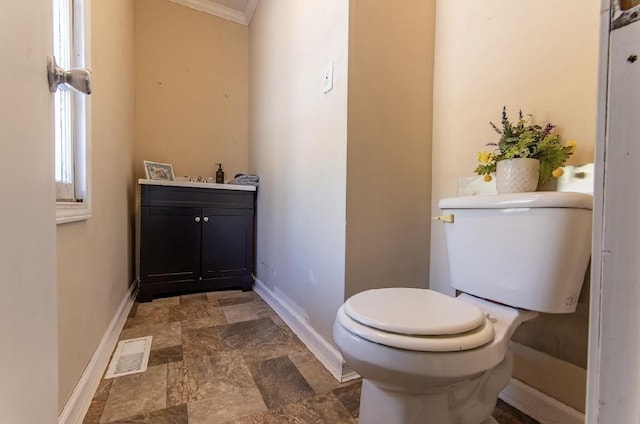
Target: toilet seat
[
  {"x": 415, "y": 319},
  {"x": 412, "y": 311}
]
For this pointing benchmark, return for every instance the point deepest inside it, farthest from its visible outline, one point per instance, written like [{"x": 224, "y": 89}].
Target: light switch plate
[{"x": 327, "y": 83}]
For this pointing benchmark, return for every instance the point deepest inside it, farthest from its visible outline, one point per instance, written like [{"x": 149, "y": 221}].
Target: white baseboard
[
  {"x": 538, "y": 405},
  {"x": 328, "y": 355},
  {"x": 78, "y": 404}
]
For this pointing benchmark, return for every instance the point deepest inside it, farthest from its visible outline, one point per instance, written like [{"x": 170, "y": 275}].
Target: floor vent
[{"x": 131, "y": 357}]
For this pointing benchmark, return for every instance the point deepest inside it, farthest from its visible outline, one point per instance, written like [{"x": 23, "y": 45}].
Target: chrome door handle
[
  {"x": 79, "y": 79},
  {"x": 205, "y": 219},
  {"x": 197, "y": 219}
]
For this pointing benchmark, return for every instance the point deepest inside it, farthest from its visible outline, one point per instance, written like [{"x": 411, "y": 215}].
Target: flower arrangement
[{"x": 523, "y": 139}]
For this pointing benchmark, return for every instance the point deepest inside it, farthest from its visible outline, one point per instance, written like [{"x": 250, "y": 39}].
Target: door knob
[
  {"x": 79, "y": 79},
  {"x": 197, "y": 219},
  {"x": 205, "y": 219}
]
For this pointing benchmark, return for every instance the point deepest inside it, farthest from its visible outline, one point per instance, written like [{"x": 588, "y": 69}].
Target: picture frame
[{"x": 158, "y": 171}]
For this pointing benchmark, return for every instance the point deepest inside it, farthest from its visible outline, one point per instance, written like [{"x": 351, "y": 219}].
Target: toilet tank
[{"x": 528, "y": 250}]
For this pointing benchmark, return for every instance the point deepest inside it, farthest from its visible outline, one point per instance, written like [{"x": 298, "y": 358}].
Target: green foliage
[
  {"x": 525, "y": 140},
  {"x": 485, "y": 169}
]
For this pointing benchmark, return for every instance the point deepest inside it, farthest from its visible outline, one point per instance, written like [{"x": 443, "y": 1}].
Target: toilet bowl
[
  {"x": 432, "y": 359},
  {"x": 431, "y": 370}
]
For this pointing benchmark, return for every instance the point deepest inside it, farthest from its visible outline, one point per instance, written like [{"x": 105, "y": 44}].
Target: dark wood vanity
[{"x": 194, "y": 237}]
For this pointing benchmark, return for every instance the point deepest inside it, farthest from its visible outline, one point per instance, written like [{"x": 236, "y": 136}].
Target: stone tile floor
[{"x": 227, "y": 357}]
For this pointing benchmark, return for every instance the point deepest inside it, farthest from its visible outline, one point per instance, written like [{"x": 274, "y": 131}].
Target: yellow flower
[
  {"x": 487, "y": 178},
  {"x": 485, "y": 157},
  {"x": 573, "y": 144},
  {"x": 557, "y": 173}
]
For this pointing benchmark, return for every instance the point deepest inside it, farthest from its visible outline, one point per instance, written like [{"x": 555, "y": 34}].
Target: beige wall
[
  {"x": 389, "y": 144},
  {"x": 537, "y": 55},
  {"x": 298, "y": 142},
  {"x": 191, "y": 90},
  {"x": 94, "y": 256}
]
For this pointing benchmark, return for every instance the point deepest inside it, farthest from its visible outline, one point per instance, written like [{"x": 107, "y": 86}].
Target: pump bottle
[{"x": 219, "y": 174}]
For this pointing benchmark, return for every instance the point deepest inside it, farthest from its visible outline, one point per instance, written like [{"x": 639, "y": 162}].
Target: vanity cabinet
[{"x": 194, "y": 238}]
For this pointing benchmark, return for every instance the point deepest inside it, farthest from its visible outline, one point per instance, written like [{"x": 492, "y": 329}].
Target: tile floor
[{"x": 226, "y": 357}]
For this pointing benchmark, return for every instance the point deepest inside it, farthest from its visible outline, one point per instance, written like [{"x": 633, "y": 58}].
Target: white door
[
  {"x": 614, "y": 339},
  {"x": 28, "y": 317}
]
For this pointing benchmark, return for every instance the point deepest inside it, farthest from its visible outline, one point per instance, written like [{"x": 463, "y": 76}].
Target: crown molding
[
  {"x": 248, "y": 11},
  {"x": 213, "y": 8}
]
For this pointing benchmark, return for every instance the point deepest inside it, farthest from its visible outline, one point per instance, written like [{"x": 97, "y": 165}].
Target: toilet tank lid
[{"x": 537, "y": 199}]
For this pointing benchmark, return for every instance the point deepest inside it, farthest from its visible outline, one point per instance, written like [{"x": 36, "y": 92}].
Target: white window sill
[{"x": 72, "y": 212}]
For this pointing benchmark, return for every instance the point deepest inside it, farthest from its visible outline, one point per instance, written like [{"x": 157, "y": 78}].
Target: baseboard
[
  {"x": 78, "y": 404},
  {"x": 538, "y": 405},
  {"x": 328, "y": 355}
]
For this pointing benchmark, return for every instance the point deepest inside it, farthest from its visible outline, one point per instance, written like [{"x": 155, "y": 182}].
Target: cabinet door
[
  {"x": 169, "y": 244},
  {"x": 227, "y": 242}
]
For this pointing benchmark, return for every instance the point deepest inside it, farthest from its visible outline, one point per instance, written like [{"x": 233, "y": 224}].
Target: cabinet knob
[
  {"x": 205, "y": 219},
  {"x": 197, "y": 219}
]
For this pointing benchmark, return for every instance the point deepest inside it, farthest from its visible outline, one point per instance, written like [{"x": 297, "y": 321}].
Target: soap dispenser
[{"x": 219, "y": 174}]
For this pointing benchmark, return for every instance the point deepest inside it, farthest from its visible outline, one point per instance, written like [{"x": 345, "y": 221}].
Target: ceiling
[{"x": 240, "y": 11}]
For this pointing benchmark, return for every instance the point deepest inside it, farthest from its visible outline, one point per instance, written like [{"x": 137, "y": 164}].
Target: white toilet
[{"x": 428, "y": 358}]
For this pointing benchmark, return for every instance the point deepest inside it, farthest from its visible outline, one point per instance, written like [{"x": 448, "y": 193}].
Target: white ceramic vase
[{"x": 517, "y": 175}]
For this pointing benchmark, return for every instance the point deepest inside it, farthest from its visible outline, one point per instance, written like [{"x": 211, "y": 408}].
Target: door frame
[{"x": 613, "y": 389}]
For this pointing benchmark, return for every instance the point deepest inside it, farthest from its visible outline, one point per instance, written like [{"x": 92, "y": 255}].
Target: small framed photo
[{"x": 158, "y": 171}]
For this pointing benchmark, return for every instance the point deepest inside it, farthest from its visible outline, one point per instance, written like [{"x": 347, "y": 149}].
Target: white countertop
[{"x": 143, "y": 181}]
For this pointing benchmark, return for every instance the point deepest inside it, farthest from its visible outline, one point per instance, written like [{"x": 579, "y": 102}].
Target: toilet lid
[
  {"x": 477, "y": 337},
  {"x": 415, "y": 319},
  {"x": 410, "y": 311}
]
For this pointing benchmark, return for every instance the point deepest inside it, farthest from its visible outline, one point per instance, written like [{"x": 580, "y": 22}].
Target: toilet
[{"x": 428, "y": 358}]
